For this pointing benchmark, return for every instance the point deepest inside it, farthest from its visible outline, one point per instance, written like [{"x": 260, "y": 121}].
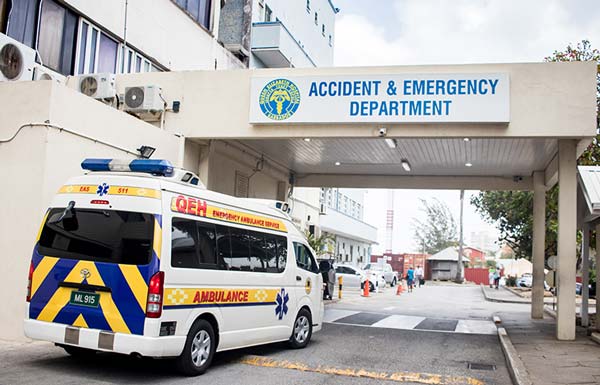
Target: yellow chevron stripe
[
  {"x": 41, "y": 272},
  {"x": 109, "y": 309},
  {"x": 157, "y": 245},
  {"x": 80, "y": 321},
  {"x": 61, "y": 297},
  {"x": 136, "y": 283},
  {"x": 39, "y": 234}
]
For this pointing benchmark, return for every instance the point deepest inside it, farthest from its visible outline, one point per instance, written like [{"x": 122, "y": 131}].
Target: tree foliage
[
  {"x": 321, "y": 244},
  {"x": 438, "y": 230},
  {"x": 512, "y": 211}
]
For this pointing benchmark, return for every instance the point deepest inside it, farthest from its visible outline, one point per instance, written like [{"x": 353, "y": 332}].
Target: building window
[
  {"x": 199, "y": 10},
  {"x": 56, "y": 42},
  {"x": 22, "y": 21},
  {"x": 268, "y": 14},
  {"x": 323, "y": 30},
  {"x": 308, "y": 6},
  {"x": 316, "y": 18}
]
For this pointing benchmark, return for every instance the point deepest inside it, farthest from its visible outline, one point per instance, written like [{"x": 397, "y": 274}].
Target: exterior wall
[
  {"x": 475, "y": 256},
  {"x": 350, "y": 251},
  {"x": 40, "y": 158},
  {"x": 161, "y": 30},
  {"x": 221, "y": 101},
  {"x": 300, "y": 23}
]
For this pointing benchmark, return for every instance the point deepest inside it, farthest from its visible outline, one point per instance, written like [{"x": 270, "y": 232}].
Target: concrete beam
[
  {"x": 567, "y": 242},
  {"x": 414, "y": 182},
  {"x": 539, "y": 239}
]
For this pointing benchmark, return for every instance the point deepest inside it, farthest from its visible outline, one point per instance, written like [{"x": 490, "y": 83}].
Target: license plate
[{"x": 83, "y": 298}]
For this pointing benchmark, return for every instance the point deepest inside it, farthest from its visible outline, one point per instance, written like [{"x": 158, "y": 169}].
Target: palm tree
[{"x": 319, "y": 244}]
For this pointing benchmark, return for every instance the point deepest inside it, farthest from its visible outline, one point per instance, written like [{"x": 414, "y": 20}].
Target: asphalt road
[{"x": 339, "y": 354}]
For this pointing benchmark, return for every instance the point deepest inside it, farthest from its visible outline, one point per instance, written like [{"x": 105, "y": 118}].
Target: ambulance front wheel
[
  {"x": 302, "y": 330},
  {"x": 199, "y": 349}
]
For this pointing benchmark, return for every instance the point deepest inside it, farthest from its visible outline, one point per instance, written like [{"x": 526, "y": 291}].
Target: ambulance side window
[
  {"x": 304, "y": 258},
  {"x": 193, "y": 245}
]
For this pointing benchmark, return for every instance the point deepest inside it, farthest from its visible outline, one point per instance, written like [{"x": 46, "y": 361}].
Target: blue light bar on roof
[{"x": 151, "y": 166}]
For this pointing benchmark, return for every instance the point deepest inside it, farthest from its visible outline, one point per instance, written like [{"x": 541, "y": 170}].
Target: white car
[
  {"x": 389, "y": 274},
  {"x": 355, "y": 277}
]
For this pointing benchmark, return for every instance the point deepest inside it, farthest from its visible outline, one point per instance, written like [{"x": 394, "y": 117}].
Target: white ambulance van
[{"x": 134, "y": 258}]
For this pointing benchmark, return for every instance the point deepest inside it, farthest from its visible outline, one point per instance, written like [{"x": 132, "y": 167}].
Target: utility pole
[{"x": 459, "y": 267}]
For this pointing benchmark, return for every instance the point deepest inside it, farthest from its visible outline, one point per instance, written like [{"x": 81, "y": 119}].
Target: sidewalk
[
  {"x": 507, "y": 296},
  {"x": 547, "y": 360}
]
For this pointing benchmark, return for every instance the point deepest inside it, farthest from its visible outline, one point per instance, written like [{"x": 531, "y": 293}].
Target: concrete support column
[
  {"x": 539, "y": 244},
  {"x": 597, "y": 276},
  {"x": 567, "y": 238},
  {"x": 585, "y": 267}
]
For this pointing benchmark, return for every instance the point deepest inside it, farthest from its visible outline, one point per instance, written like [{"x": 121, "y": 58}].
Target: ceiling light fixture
[
  {"x": 307, "y": 139},
  {"x": 406, "y": 165},
  {"x": 467, "y": 139},
  {"x": 337, "y": 163},
  {"x": 468, "y": 164},
  {"x": 392, "y": 143}
]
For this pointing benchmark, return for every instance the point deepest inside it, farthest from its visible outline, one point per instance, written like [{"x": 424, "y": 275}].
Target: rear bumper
[{"x": 168, "y": 346}]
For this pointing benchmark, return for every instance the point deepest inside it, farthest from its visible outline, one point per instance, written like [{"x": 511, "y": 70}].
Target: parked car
[
  {"x": 355, "y": 277},
  {"x": 526, "y": 280},
  {"x": 389, "y": 274}
]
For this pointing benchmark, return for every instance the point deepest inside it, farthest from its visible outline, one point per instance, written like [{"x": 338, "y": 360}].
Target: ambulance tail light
[
  {"x": 29, "y": 279},
  {"x": 155, "y": 294}
]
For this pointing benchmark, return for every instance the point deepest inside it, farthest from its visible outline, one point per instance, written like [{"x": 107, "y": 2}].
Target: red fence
[{"x": 477, "y": 275}]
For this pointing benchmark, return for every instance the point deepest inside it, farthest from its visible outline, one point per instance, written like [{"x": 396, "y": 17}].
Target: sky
[{"x": 404, "y": 32}]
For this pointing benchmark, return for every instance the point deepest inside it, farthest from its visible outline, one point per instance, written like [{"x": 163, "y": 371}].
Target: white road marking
[
  {"x": 399, "y": 322},
  {"x": 334, "y": 314},
  {"x": 476, "y": 327},
  {"x": 389, "y": 308}
]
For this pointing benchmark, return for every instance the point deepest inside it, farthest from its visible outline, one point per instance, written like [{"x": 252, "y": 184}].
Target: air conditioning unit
[
  {"x": 144, "y": 101},
  {"x": 16, "y": 60},
  {"x": 43, "y": 73},
  {"x": 98, "y": 86}
]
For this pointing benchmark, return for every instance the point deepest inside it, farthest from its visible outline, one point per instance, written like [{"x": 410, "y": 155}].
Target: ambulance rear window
[{"x": 98, "y": 235}]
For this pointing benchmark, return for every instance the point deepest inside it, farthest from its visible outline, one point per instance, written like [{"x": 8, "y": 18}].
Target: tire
[
  {"x": 302, "y": 331},
  {"x": 394, "y": 282},
  {"x": 199, "y": 349},
  {"x": 371, "y": 287},
  {"x": 77, "y": 352}
]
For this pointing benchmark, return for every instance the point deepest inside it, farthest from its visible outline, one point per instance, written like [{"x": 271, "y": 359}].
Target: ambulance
[{"x": 136, "y": 257}]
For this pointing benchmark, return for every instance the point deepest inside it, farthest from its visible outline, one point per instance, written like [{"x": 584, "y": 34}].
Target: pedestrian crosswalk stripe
[{"x": 408, "y": 322}]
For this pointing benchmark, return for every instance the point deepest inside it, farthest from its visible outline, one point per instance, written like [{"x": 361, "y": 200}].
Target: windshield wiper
[{"x": 68, "y": 210}]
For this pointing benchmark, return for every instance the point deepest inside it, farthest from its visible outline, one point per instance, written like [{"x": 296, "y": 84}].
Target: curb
[
  {"x": 490, "y": 299},
  {"x": 516, "y": 368},
  {"x": 548, "y": 310}
]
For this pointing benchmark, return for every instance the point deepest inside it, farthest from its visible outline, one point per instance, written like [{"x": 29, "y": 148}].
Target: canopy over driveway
[{"x": 488, "y": 126}]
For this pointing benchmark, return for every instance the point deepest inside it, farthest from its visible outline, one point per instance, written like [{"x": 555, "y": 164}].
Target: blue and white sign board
[{"x": 395, "y": 98}]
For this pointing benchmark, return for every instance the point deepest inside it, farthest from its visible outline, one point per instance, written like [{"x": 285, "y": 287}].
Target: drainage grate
[{"x": 476, "y": 366}]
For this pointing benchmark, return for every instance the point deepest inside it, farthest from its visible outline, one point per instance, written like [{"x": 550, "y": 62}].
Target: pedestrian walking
[
  {"x": 496, "y": 278},
  {"x": 420, "y": 277},
  {"x": 410, "y": 279},
  {"x": 491, "y": 277}
]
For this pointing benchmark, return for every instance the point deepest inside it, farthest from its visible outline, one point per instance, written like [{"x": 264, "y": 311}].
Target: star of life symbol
[
  {"x": 282, "y": 300},
  {"x": 102, "y": 189},
  {"x": 85, "y": 273},
  {"x": 261, "y": 295},
  {"x": 177, "y": 297}
]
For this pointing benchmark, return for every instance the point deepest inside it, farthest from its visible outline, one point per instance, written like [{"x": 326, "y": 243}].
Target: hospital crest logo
[{"x": 279, "y": 99}]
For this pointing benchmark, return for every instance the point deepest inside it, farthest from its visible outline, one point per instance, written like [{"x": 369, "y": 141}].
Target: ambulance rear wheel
[
  {"x": 77, "y": 352},
  {"x": 199, "y": 349}
]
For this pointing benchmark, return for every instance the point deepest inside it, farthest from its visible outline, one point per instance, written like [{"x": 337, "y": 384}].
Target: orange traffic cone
[
  {"x": 366, "y": 288},
  {"x": 399, "y": 289}
]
